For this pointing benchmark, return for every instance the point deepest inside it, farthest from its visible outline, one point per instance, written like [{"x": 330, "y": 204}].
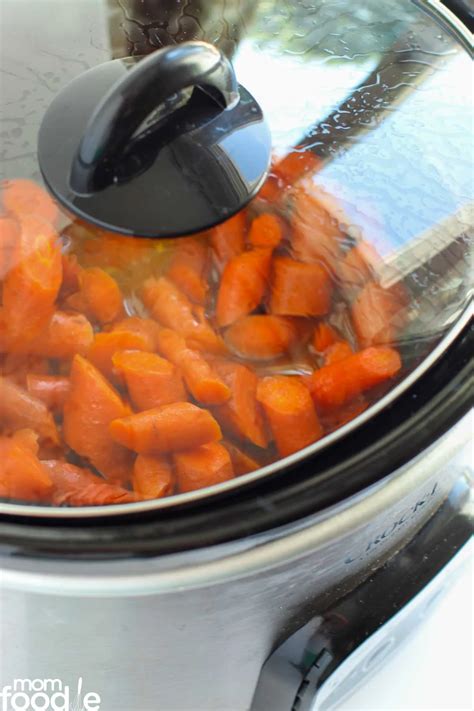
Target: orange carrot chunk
[
  {"x": 242, "y": 414},
  {"x": 241, "y": 462},
  {"x": 75, "y": 486},
  {"x": 168, "y": 428},
  {"x": 202, "y": 381},
  {"x": 65, "y": 335},
  {"x": 9, "y": 237},
  {"x": 324, "y": 336},
  {"x": 290, "y": 413},
  {"x": 334, "y": 385},
  {"x": 101, "y": 294},
  {"x": 377, "y": 315},
  {"x": 358, "y": 265},
  {"x": 316, "y": 233},
  {"x": 146, "y": 327},
  {"x": 151, "y": 380},
  {"x": 337, "y": 352},
  {"x": 261, "y": 337},
  {"x": 91, "y": 405},
  {"x": 24, "y": 198},
  {"x": 71, "y": 273},
  {"x": 266, "y": 231},
  {"x": 152, "y": 477},
  {"x": 22, "y": 475},
  {"x": 242, "y": 285},
  {"x": 19, "y": 409},
  {"x": 188, "y": 269},
  {"x": 228, "y": 239},
  {"x": 106, "y": 344},
  {"x": 204, "y": 466},
  {"x": 50, "y": 389},
  {"x": 299, "y": 289}
]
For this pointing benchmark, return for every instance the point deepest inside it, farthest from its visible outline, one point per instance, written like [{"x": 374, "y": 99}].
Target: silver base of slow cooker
[{"x": 192, "y": 631}]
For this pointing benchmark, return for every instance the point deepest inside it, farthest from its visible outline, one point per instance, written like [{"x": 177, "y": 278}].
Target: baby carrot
[
  {"x": 169, "y": 428},
  {"x": 316, "y": 233},
  {"x": 334, "y": 385},
  {"x": 241, "y": 462},
  {"x": 24, "y": 198},
  {"x": 50, "y": 389},
  {"x": 242, "y": 414},
  {"x": 151, "y": 380},
  {"x": 19, "y": 409},
  {"x": 152, "y": 477},
  {"x": 91, "y": 405},
  {"x": 16, "y": 366},
  {"x": 299, "y": 289},
  {"x": 290, "y": 413},
  {"x": 358, "y": 265},
  {"x": 107, "y": 343},
  {"x": 188, "y": 269},
  {"x": 228, "y": 239},
  {"x": 202, "y": 381},
  {"x": 324, "y": 336},
  {"x": 101, "y": 294},
  {"x": 242, "y": 285},
  {"x": 377, "y": 315},
  {"x": 22, "y": 475},
  {"x": 9, "y": 237},
  {"x": 265, "y": 231},
  {"x": 146, "y": 327},
  {"x": 75, "y": 486},
  {"x": 337, "y": 352},
  {"x": 204, "y": 466},
  {"x": 261, "y": 337},
  {"x": 65, "y": 335}
]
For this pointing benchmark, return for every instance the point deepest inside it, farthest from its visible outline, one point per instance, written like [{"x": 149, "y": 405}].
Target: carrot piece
[
  {"x": 358, "y": 265},
  {"x": 168, "y": 305},
  {"x": 169, "y": 428},
  {"x": 24, "y": 198},
  {"x": 91, "y": 405},
  {"x": 146, "y": 327},
  {"x": 16, "y": 366},
  {"x": 241, "y": 462},
  {"x": 65, "y": 335},
  {"x": 9, "y": 237},
  {"x": 290, "y": 413},
  {"x": 265, "y": 231},
  {"x": 106, "y": 344},
  {"x": 377, "y": 315},
  {"x": 152, "y": 477},
  {"x": 201, "y": 380},
  {"x": 324, "y": 336},
  {"x": 316, "y": 233},
  {"x": 50, "y": 389},
  {"x": 228, "y": 239},
  {"x": 75, "y": 486},
  {"x": 242, "y": 285},
  {"x": 22, "y": 475},
  {"x": 204, "y": 466},
  {"x": 28, "y": 439},
  {"x": 19, "y": 409},
  {"x": 337, "y": 352},
  {"x": 101, "y": 294},
  {"x": 299, "y": 289},
  {"x": 188, "y": 269},
  {"x": 151, "y": 380},
  {"x": 242, "y": 414},
  {"x": 32, "y": 284},
  {"x": 71, "y": 273},
  {"x": 334, "y": 385},
  {"x": 261, "y": 337}
]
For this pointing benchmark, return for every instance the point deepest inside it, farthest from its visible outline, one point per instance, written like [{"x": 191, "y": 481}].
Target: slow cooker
[{"x": 235, "y": 346}]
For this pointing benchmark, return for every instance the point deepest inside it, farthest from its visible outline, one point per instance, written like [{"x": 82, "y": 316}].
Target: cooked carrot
[
  {"x": 146, "y": 327},
  {"x": 358, "y": 265},
  {"x": 188, "y": 269},
  {"x": 324, "y": 336},
  {"x": 71, "y": 273},
  {"x": 32, "y": 284},
  {"x": 168, "y": 428},
  {"x": 101, "y": 294},
  {"x": 65, "y": 335},
  {"x": 377, "y": 315},
  {"x": 242, "y": 285},
  {"x": 75, "y": 302},
  {"x": 204, "y": 466},
  {"x": 316, "y": 233},
  {"x": 241, "y": 462},
  {"x": 152, "y": 477},
  {"x": 287, "y": 172},
  {"x": 16, "y": 366},
  {"x": 337, "y": 352},
  {"x": 75, "y": 486},
  {"x": 106, "y": 344},
  {"x": 50, "y": 389},
  {"x": 102, "y": 248},
  {"x": 265, "y": 231},
  {"x": 203, "y": 382},
  {"x": 91, "y": 405},
  {"x": 168, "y": 305},
  {"x": 24, "y": 198},
  {"x": 19, "y": 409},
  {"x": 261, "y": 337},
  {"x": 228, "y": 239},
  {"x": 299, "y": 289},
  {"x": 151, "y": 380},
  {"x": 27, "y": 438},
  {"x": 241, "y": 415},
  {"x": 334, "y": 385},
  {"x": 290, "y": 413},
  {"x": 22, "y": 475},
  {"x": 9, "y": 237}
]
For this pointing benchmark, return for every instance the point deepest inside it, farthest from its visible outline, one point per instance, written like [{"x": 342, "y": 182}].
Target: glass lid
[{"x": 140, "y": 373}]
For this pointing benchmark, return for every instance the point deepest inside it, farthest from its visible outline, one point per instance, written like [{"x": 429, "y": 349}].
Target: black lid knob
[{"x": 160, "y": 147}]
